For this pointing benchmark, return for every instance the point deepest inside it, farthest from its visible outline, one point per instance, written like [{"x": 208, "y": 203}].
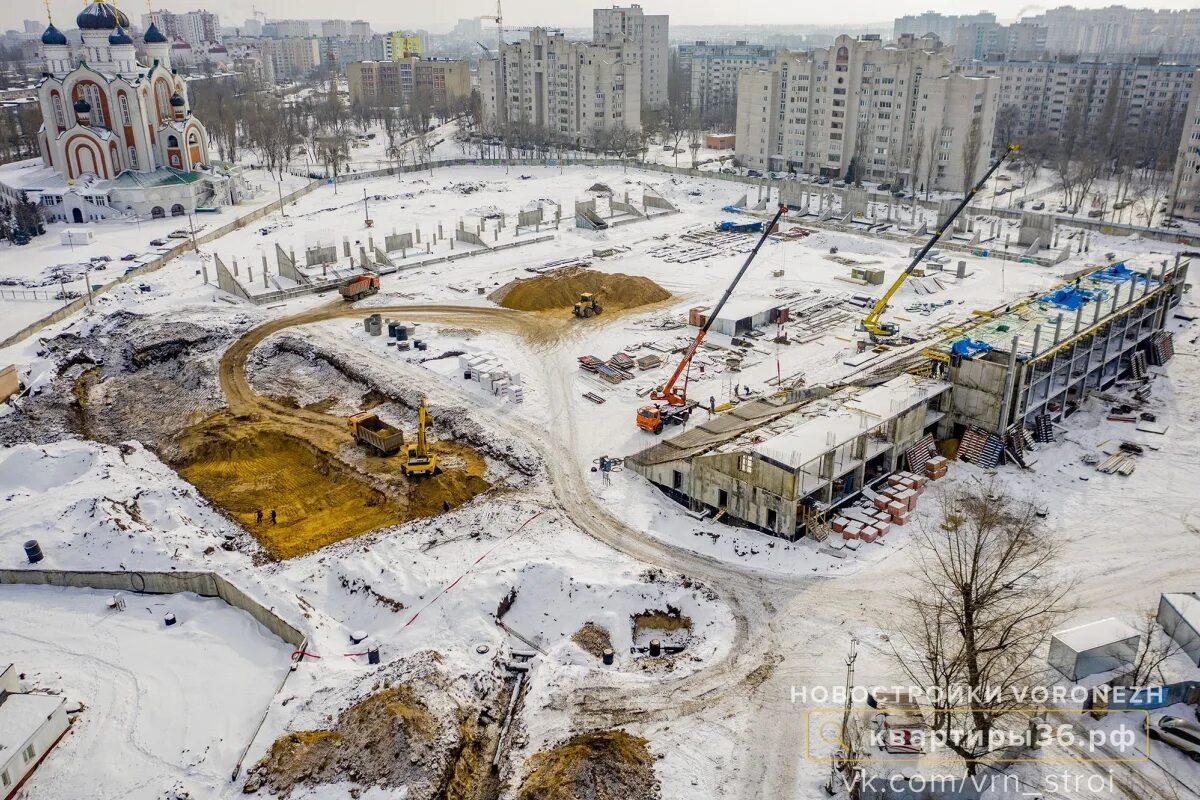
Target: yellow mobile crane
[
  {"x": 419, "y": 461},
  {"x": 883, "y": 330}
]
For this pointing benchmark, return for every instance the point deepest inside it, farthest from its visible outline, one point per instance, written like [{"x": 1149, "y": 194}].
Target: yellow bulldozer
[{"x": 587, "y": 306}]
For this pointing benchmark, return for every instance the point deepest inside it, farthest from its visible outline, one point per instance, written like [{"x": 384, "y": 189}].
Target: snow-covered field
[
  {"x": 766, "y": 615},
  {"x": 164, "y": 708}
]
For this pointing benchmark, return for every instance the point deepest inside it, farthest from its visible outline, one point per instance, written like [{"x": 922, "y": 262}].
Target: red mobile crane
[{"x": 678, "y": 408}]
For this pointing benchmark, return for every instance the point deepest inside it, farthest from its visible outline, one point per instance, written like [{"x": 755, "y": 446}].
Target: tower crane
[
  {"x": 677, "y": 409},
  {"x": 871, "y": 323}
]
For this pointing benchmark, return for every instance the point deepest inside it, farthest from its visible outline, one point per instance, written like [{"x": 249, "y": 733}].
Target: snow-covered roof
[
  {"x": 847, "y": 416},
  {"x": 1096, "y": 634},
  {"x": 1187, "y": 606},
  {"x": 896, "y": 396},
  {"x": 21, "y": 715},
  {"x": 744, "y": 307}
]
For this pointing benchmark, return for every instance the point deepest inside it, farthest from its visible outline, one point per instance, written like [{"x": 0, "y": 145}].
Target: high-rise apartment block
[
  {"x": 899, "y": 111},
  {"x": 575, "y": 91},
  {"x": 647, "y": 37}
]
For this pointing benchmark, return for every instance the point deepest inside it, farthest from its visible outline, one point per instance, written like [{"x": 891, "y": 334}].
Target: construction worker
[
  {"x": 258, "y": 517},
  {"x": 736, "y": 386},
  {"x": 445, "y": 505},
  {"x": 712, "y": 404},
  {"x": 272, "y": 516}
]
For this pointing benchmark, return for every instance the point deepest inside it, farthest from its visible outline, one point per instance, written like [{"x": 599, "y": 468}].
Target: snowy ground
[
  {"x": 767, "y": 615},
  {"x": 163, "y": 707}
]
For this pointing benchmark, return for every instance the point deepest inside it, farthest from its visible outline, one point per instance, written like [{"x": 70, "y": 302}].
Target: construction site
[{"x": 560, "y": 505}]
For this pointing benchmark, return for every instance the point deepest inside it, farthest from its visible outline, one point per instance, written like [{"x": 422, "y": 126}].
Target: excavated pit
[
  {"x": 245, "y": 465},
  {"x": 561, "y": 289}
]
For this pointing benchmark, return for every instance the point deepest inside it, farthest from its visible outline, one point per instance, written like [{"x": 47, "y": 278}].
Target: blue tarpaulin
[
  {"x": 1117, "y": 273},
  {"x": 733, "y": 210},
  {"x": 1072, "y": 297},
  {"x": 741, "y": 227},
  {"x": 969, "y": 349}
]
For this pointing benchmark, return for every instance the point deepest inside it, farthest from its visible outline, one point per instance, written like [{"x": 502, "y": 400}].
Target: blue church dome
[
  {"x": 53, "y": 36},
  {"x": 153, "y": 35},
  {"x": 176, "y": 100},
  {"x": 101, "y": 16},
  {"x": 82, "y": 106},
  {"x": 119, "y": 36}
]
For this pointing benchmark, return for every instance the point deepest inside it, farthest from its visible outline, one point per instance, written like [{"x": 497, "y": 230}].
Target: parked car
[
  {"x": 101, "y": 259},
  {"x": 1039, "y": 205},
  {"x": 178, "y": 234},
  {"x": 158, "y": 242},
  {"x": 728, "y": 171},
  {"x": 753, "y": 173},
  {"x": 668, "y": 147},
  {"x": 898, "y": 193},
  {"x": 1002, "y": 190},
  {"x": 1171, "y": 224},
  {"x": 823, "y": 181},
  {"x": 129, "y": 257},
  {"x": 884, "y": 187},
  {"x": 839, "y": 184},
  {"x": 1061, "y": 210},
  {"x": 1095, "y": 213},
  {"x": 1003, "y": 177},
  {"x": 1177, "y": 732}
]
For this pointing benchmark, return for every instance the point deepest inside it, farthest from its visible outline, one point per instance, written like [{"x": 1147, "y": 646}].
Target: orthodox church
[{"x": 118, "y": 136}]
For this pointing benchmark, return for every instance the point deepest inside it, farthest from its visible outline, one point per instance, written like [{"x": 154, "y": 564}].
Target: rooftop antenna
[{"x": 49, "y": 17}]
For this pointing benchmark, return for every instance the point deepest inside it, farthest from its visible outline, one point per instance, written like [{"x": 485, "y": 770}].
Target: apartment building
[
  {"x": 293, "y": 58},
  {"x": 1184, "y": 197},
  {"x": 394, "y": 82},
  {"x": 711, "y": 73},
  {"x": 287, "y": 29},
  {"x": 1102, "y": 33},
  {"x": 332, "y": 28},
  {"x": 1038, "y": 96},
  {"x": 360, "y": 28},
  {"x": 346, "y": 50},
  {"x": 398, "y": 44},
  {"x": 249, "y": 55},
  {"x": 987, "y": 39},
  {"x": 574, "y": 90},
  {"x": 943, "y": 26},
  {"x": 900, "y": 111},
  {"x": 193, "y": 27},
  {"x": 647, "y": 37}
]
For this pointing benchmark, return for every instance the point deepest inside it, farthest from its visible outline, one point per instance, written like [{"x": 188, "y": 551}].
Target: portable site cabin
[
  {"x": 1093, "y": 648},
  {"x": 30, "y": 726},
  {"x": 740, "y": 316},
  {"x": 1179, "y": 616}
]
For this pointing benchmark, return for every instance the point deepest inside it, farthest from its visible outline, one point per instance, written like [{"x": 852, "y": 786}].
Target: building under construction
[
  {"x": 782, "y": 464},
  {"x": 774, "y": 463},
  {"x": 1030, "y": 366}
]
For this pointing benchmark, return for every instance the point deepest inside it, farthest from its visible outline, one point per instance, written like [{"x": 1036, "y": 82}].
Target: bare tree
[
  {"x": 1155, "y": 649},
  {"x": 675, "y": 127},
  {"x": 334, "y": 151},
  {"x": 971, "y": 151},
  {"x": 918, "y": 153},
  {"x": 987, "y": 597}
]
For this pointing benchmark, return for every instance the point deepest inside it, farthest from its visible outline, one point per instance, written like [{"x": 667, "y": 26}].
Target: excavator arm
[
  {"x": 871, "y": 322},
  {"x": 667, "y": 391}
]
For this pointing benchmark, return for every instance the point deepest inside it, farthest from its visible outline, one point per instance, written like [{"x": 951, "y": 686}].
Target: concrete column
[
  {"x": 1037, "y": 338},
  {"x": 1058, "y": 328},
  {"x": 1078, "y": 318},
  {"x": 250, "y": 273},
  {"x": 235, "y": 267},
  {"x": 1009, "y": 379},
  {"x": 204, "y": 270},
  {"x": 1096, "y": 310}
]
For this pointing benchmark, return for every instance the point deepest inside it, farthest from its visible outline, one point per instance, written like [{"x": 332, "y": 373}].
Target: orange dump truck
[
  {"x": 369, "y": 429},
  {"x": 359, "y": 286}
]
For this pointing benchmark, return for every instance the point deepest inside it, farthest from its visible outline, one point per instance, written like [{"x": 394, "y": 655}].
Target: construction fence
[{"x": 205, "y": 584}]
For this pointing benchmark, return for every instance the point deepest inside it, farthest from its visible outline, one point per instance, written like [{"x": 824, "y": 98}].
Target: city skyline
[{"x": 578, "y": 13}]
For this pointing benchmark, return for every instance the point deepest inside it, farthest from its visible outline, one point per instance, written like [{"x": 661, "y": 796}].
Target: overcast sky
[{"x": 388, "y": 14}]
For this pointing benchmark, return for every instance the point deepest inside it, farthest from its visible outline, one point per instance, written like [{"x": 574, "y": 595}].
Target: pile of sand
[
  {"x": 602, "y": 765},
  {"x": 561, "y": 289},
  {"x": 593, "y": 638}
]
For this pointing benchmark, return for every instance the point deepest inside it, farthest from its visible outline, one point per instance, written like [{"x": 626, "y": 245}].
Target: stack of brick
[
  {"x": 936, "y": 467},
  {"x": 864, "y": 524},
  {"x": 901, "y": 495}
]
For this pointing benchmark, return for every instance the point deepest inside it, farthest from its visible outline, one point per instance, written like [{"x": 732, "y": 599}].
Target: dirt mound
[
  {"x": 561, "y": 289},
  {"x": 602, "y": 765},
  {"x": 593, "y": 639},
  {"x": 387, "y": 739}
]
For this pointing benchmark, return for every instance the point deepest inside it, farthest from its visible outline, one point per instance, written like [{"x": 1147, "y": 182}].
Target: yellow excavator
[
  {"x": 879, "y": 330},
  {"x": 419, "y": 461}
]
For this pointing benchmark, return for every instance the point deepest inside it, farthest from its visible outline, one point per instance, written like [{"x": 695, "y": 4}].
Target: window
[
  {"x": 5, "y": 781},
  {"x": 28, "y": 754},
  {"x": 123, "y": 102},
  {"x": 133, "y": 160},
  {"x": 746, "y": 463}
]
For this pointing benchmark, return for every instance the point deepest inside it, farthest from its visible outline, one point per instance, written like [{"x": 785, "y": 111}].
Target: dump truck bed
[{"x": 373, "y": 431}]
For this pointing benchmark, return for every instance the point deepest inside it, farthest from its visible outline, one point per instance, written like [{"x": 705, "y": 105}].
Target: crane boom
[
  {"x": 871, "y": 323},
  {"x": 667, "y": 392}
]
